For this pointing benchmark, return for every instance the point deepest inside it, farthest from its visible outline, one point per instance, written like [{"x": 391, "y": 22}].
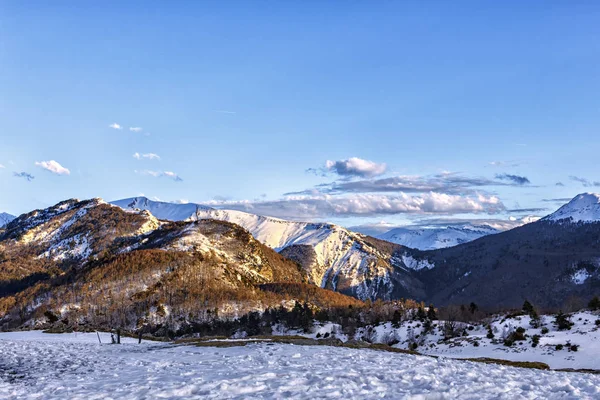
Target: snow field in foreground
[{"x": 36, "y": 365}]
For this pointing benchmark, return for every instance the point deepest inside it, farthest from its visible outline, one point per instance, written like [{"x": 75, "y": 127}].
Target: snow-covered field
[
  {"x": 34, "y": 365},
  {"x": 584, "y": 333}
]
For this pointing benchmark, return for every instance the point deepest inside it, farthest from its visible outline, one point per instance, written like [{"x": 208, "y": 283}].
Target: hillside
[{"x": 549, "y": 262}]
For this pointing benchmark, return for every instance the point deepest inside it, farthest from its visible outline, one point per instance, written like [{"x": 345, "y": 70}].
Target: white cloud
[
  {"x": 53, "y": 167},
  {"x": 355, "y": 166},
  {"x": 158, "y": 174},
  {"x": 149, "y": 156},
  {"x": 2, "y": 166},
  {"x": 172, "y": 175},
  {"x": 135, "y": 129},
  {"x": 115, "y": 126},
  {"x": 431, "y": 203}
]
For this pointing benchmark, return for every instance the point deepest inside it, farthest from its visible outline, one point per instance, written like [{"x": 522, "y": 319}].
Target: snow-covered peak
[
  {"x": 584, "y": 207},
  {"x": 160, "y": 209},
  {"x": 5, "y": 218}
]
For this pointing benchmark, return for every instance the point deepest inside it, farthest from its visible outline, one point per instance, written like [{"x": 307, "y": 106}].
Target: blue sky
[{"x": 240, "y": 99}]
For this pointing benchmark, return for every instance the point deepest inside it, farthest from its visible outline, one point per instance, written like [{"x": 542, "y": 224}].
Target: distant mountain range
[
  {"x": 136, "y": 258},
  {"x": 5, "y": 218},
  {"x": 440, "y": 234},
  {"x": 437, "y": 238},
  {"x": 548, "y": 260}
]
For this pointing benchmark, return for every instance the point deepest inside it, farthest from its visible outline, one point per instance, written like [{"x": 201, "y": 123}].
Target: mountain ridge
[{"x": 340, "y": 260}]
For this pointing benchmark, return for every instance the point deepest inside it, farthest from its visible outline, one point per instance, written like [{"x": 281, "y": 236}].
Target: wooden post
[
  {"x": 98, "y": 337},
  {"x": 119, "y": 336}
]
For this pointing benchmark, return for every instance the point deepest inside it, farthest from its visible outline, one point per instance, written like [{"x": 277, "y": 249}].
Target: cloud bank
[{"x": 364, "y": 205}]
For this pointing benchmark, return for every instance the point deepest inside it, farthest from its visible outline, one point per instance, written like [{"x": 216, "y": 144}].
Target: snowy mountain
[
  {"x": 436, "y": 238},
  {"x": 584, "y": 207},
  {"x": 333, "y": 257},
  {"x": 5, "y": 219}
]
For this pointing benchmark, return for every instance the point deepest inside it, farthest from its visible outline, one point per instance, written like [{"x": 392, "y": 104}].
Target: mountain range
[
  {"x": 437, "y": 238},
  {"x": 162, "y": 258},
  {"x": 548, "y": 260},
  {"x": 332, "y": 256}
]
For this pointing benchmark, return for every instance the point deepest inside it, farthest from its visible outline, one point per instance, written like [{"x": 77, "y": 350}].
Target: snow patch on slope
[
  {"x": 415, "y": 264},
  {"x": 580, "y": 276}
]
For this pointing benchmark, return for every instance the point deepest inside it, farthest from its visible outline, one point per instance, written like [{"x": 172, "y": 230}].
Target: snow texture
[
  {"x": 584, "y": 333},
  {"x": 75, "y": 366}
]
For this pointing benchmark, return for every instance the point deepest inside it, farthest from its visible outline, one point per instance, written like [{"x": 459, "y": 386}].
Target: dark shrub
[
  {"x": 574, "y": 347},
  {"x": 563, "y": 322}
]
